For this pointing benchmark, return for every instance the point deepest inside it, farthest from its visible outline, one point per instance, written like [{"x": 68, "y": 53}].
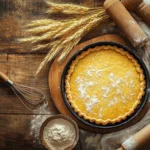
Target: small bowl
[{"x": 60, "y": 116}]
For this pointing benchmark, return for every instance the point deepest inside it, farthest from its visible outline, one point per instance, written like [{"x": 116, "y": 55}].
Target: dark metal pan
[{"x": 138, "y": 109}]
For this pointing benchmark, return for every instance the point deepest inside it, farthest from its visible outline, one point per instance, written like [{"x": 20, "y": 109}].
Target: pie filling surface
[{"x": 104, "y": 84}]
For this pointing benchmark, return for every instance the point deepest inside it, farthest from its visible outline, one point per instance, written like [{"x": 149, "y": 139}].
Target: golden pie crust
[{"x": 105, "y": 84}]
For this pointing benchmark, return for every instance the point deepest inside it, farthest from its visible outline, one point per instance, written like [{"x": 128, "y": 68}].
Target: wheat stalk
[
  {"x": 41, "y": 22},
  {"x": 71, "y": 41},
  {"x": 68, "y": 9},
  {"x": 77, "y": 36},
  {"x": 60, "y": 36}
]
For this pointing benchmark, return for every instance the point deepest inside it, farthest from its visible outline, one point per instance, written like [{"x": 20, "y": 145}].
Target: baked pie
[{"x": 105, "y": 84}]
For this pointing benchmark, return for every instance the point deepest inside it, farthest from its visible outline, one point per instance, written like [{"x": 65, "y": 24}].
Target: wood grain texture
[
  {"x": 11, "y": 139},
  {"x": 143, "y": 11},
  {"x": 126, "y": 23},
  {"x": 131, "y": 5}
]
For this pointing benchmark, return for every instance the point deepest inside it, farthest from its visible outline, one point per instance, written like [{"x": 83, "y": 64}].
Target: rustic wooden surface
[{"x": 19, "y": 126}]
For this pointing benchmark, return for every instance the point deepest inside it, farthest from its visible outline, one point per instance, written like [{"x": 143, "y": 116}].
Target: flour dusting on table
[
  {"x": 90, "y": 141},
  {"x": 129, "y": 144},
  {"x": 37, "y": 121},
  {"x": 93, "y": 141}
]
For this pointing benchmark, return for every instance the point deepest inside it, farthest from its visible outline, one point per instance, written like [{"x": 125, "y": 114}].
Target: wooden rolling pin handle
[
  {"x": 122, "y": 18},
  {"x": 143, "y": 10},
  {"x": 4, "y": 77},
  {"x": 138, "y": 140},
  {"x": 131, "y": 5}
]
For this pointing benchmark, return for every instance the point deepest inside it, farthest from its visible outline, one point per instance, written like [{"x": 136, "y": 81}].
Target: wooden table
[{"x": 19, "y": 127}]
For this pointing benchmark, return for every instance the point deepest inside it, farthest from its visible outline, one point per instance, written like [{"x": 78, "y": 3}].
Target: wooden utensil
[
  {"x": 138, "y": 140},
  {"x": 139, "y": 7},
  {"x": 32, "y": 96},
  {"x": 143, "y": 10},
  {"x": 131, "y": 5},
  {"x": 125, "y": 22}
]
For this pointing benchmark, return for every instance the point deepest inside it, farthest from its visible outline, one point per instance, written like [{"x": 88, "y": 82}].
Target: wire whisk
[{"x": 32, "y": 96}]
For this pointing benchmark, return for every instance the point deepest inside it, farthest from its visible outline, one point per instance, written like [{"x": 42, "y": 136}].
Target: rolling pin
[
  {"x": 138, "y": 140},
  {"x": 143, "y": 10},
  {"x": 131, "y": 5},
  {"x": 139, "y": 7},
  {"x": 122, "y": 18}
]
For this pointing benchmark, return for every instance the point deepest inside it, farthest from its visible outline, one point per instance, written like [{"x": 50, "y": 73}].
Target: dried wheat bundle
[
  {"x": 69, "y": 9},
  {"x": 60, "y": 36}
]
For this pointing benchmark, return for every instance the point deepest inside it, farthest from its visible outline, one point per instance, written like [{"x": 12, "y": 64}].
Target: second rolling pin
[
  {"x": 125, "y": 22},
  {"x": 131, "y": 5},
  {"x": 143, "y": 10},
  {"x": 139, "y": 7}
]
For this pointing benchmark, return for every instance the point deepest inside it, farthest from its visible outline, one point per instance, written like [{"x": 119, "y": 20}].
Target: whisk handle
[{"x": 4, "y": 77}]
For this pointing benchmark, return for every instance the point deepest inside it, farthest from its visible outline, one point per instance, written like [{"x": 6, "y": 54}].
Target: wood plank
[
  {"x": 21, "y": 69},
  {"x": 15, "y": 133}
]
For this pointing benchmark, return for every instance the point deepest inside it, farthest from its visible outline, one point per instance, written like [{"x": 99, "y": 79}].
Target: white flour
[
  {"x": 59, "y": 134},
  {"x": 129, "y": 144}
]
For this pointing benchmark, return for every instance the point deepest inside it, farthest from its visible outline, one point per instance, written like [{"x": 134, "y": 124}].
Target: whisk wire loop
[{"x": 31, "y": 95}]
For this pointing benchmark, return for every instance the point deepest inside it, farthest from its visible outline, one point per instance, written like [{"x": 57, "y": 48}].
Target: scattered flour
[
  {"x": 37, "y": 121},
  {"x": 129, "y": 144},
  {"x": 59, "y": 134},
  {"x": 147, "y": 2},
  {"x": 93, "y": 141},
  {"x": 93, "y": 101}
]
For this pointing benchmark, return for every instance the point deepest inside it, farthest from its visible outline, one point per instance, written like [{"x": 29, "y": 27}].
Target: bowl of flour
[{"x": 59, "y": 132}]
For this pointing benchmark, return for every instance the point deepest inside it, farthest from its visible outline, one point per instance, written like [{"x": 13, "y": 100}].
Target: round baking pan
[{"x": 137, "y": 110}]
